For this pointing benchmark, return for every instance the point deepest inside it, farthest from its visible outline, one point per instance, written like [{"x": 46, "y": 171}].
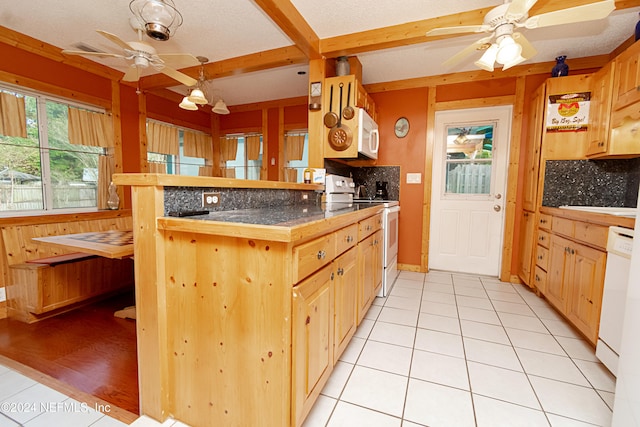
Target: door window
[{"x": 468, "y": 162}]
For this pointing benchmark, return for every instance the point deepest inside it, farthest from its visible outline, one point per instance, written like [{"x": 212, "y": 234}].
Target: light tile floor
[
  {"x": 454, "y": 350},
  {"x": 443, "y": 350}
]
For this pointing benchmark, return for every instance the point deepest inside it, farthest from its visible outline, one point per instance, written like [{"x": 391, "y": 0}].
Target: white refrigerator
[{"x": 626, "y": 407}]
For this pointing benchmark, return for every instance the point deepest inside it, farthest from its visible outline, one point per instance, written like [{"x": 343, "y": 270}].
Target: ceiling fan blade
[
  {"x": 132, "y": 74},
  {"x": 98, "y": 54},
  {"x": 458, "y": 30},
  {"x": 518, "y": 8},
  {"x": 115, "y": 39},
  {"x": 179, "y": 60},
  {"x": 528, "y": 51},
  {"x": 587, "y": 12},
  {"x": 177, "y": 75},
  {"x": 466, "y": 51}
]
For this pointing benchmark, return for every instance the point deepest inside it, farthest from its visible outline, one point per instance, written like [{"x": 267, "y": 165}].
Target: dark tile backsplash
[
  {"x": 368, "y": 176},
  {"x": 591, "y": 183},
  {"x": 185, "y": 199}
]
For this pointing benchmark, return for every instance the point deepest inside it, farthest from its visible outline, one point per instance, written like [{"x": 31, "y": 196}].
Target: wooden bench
[{"x": 41, "y": 281}]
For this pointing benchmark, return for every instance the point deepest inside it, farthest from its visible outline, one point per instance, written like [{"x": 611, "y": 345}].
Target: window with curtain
[
  {"x": 296, "y": 155},
  {"x": 54, "y": 154},
  {"x": 177, "y": 151},
  {"x": 242, "y": 156}
]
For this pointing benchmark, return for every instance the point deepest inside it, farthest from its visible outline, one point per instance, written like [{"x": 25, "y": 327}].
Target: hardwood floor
[{"x": 88, "y": 348}]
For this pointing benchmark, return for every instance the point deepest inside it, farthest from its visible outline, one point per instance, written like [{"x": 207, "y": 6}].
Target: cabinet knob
[
  {"x": 540, "y": 257},
  {"x": 541, "y": 238},
  {"x": 543, "y": 221},
  {"x": 322, "y": 254}
]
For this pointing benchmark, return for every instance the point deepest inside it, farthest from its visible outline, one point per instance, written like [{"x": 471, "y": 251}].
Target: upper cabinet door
[
  {"x": 532, "y": 154},
  {"x": 627, "y": 78}
]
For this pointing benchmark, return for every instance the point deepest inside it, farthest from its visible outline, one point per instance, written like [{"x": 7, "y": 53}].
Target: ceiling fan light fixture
[
  {"x": 488, "y": 58},
  {"x": 220, "y": 107},
  {"x": 188, "y": 105},
  {"x": 513, "y": 63},
  {"x": 159, "y": 18},
  {"x": 197, "y": 97},
  {"x": 508, "y": 50}
]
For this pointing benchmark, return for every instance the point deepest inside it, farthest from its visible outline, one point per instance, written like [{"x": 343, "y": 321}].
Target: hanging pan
[
  {"x": 348, "y": 111},
  {"x": 330, "y": 118},
  {"x": 340, "y": 136}
]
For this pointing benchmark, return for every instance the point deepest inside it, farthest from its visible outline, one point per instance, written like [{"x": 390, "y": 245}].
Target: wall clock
[{"x": 402, "y": 127}]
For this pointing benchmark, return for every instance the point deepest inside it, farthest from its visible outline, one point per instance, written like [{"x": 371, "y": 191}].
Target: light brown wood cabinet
[
  {"x": 369, "y": 263},
  {"x": 600, "y": 111},
  {"x": 574, "y": 277},
  {"x": 627, "y": 78},
  {"x": 527, "y": 231},
  {"x": 345, "y": 300},
  {"x": 532, "y": 149}
]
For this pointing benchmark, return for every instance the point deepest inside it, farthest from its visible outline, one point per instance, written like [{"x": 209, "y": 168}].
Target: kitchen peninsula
[{"x": 243, "y": 312}]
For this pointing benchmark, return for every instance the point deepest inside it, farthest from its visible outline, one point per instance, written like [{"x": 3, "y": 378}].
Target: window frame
[{"x": 44, "y": 149}]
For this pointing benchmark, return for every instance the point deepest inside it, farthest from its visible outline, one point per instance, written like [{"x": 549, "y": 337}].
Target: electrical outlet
[
  {"x": 210, "y": 200},
  {"x": 305, "y": 197},
  {"x": 414, "y": 178},
  {"x": 3, "y": 294}
]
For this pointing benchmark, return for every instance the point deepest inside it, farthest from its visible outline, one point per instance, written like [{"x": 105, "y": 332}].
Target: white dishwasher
[{"x": 614, "y": 296}]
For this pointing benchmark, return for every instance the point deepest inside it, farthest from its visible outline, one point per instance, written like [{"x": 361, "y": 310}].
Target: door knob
[
  {"x": 497, "y": 208},
  {"x": 498, "y": 196}
]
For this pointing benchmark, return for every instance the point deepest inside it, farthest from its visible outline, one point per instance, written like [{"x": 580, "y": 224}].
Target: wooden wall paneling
[
  {"x": 317, "y": 73},
  {"x": 264, "y": 168},
  {"x": 151, "y": 316},
  {"x": 142, "y": 131},
  {"x": 428, "y": 170},
  {"x": 509, "y": 240},
  {"x": 215, "y": 140},
  {"x": 280, "y": 162},
  {"x": 247, "y": 352}
]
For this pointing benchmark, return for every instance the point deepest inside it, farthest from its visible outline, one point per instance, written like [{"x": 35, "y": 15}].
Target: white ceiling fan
[
  {"x": 141, "y": 55},
  {"x": 508, "y": 47}
]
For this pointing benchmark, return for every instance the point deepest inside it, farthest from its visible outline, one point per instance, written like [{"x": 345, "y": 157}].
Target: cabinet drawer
[
  {"x": 540, "y": 279},
  {"x": 369, "y": 226},
  {"x": 312, "y": 255},
  {"x": 563, "y": 226},
  {"x": 346, "y": 238},
  {"x": 542, "y": 257},
  {"x": 591, "y": 234},
  {"x": 543, "y": 238},
  {"x": 544, "y": 221}
]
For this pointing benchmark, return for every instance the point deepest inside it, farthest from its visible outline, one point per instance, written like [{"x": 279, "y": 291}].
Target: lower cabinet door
[
  {"x": 345, "y": 297},
  {"x": 585, "y": 298},
  {"x": 312, "y": 341},
  {"x": 366, "y": 274},
  {"x": 559, "y": 273}
]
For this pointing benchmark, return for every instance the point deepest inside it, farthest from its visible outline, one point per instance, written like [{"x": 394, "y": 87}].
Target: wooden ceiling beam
[
  {"x": 592, "y": 62},
  {"x": 264, "y": 60},
  {"x": 287, "y": 17},
  {"x": 415, "y": 32}
]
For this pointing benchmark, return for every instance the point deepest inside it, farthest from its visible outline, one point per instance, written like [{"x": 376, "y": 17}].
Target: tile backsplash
[
  {"x": 591, "y": 183},
  {"x": 368, "y": 176}
]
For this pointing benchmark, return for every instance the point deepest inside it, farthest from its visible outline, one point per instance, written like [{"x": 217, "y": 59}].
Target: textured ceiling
[{"x": 223, "y": 29}]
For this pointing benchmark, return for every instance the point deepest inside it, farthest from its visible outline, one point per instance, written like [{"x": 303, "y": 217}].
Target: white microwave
[{"x": 368, "y": 137}]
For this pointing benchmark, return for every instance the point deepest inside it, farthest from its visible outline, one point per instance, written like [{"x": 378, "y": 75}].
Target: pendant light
[
  {"x": 186, "y": 104},
  {"x": 197, "y": 95},
  {"x": 220, "y": 107}
]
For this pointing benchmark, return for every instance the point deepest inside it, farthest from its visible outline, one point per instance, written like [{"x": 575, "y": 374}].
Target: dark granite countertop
[{"x": 284, "y": 216}]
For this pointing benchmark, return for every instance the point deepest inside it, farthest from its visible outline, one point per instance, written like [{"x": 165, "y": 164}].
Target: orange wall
[
  {"x": 408, "y": 153},
  {"x": 40, "y": 69}
]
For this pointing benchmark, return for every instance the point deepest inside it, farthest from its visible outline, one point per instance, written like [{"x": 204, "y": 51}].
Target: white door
[{"x": 470, "y": 161}]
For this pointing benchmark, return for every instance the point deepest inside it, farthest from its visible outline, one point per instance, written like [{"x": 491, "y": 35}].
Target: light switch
[{"x": 414, "y": 178}]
